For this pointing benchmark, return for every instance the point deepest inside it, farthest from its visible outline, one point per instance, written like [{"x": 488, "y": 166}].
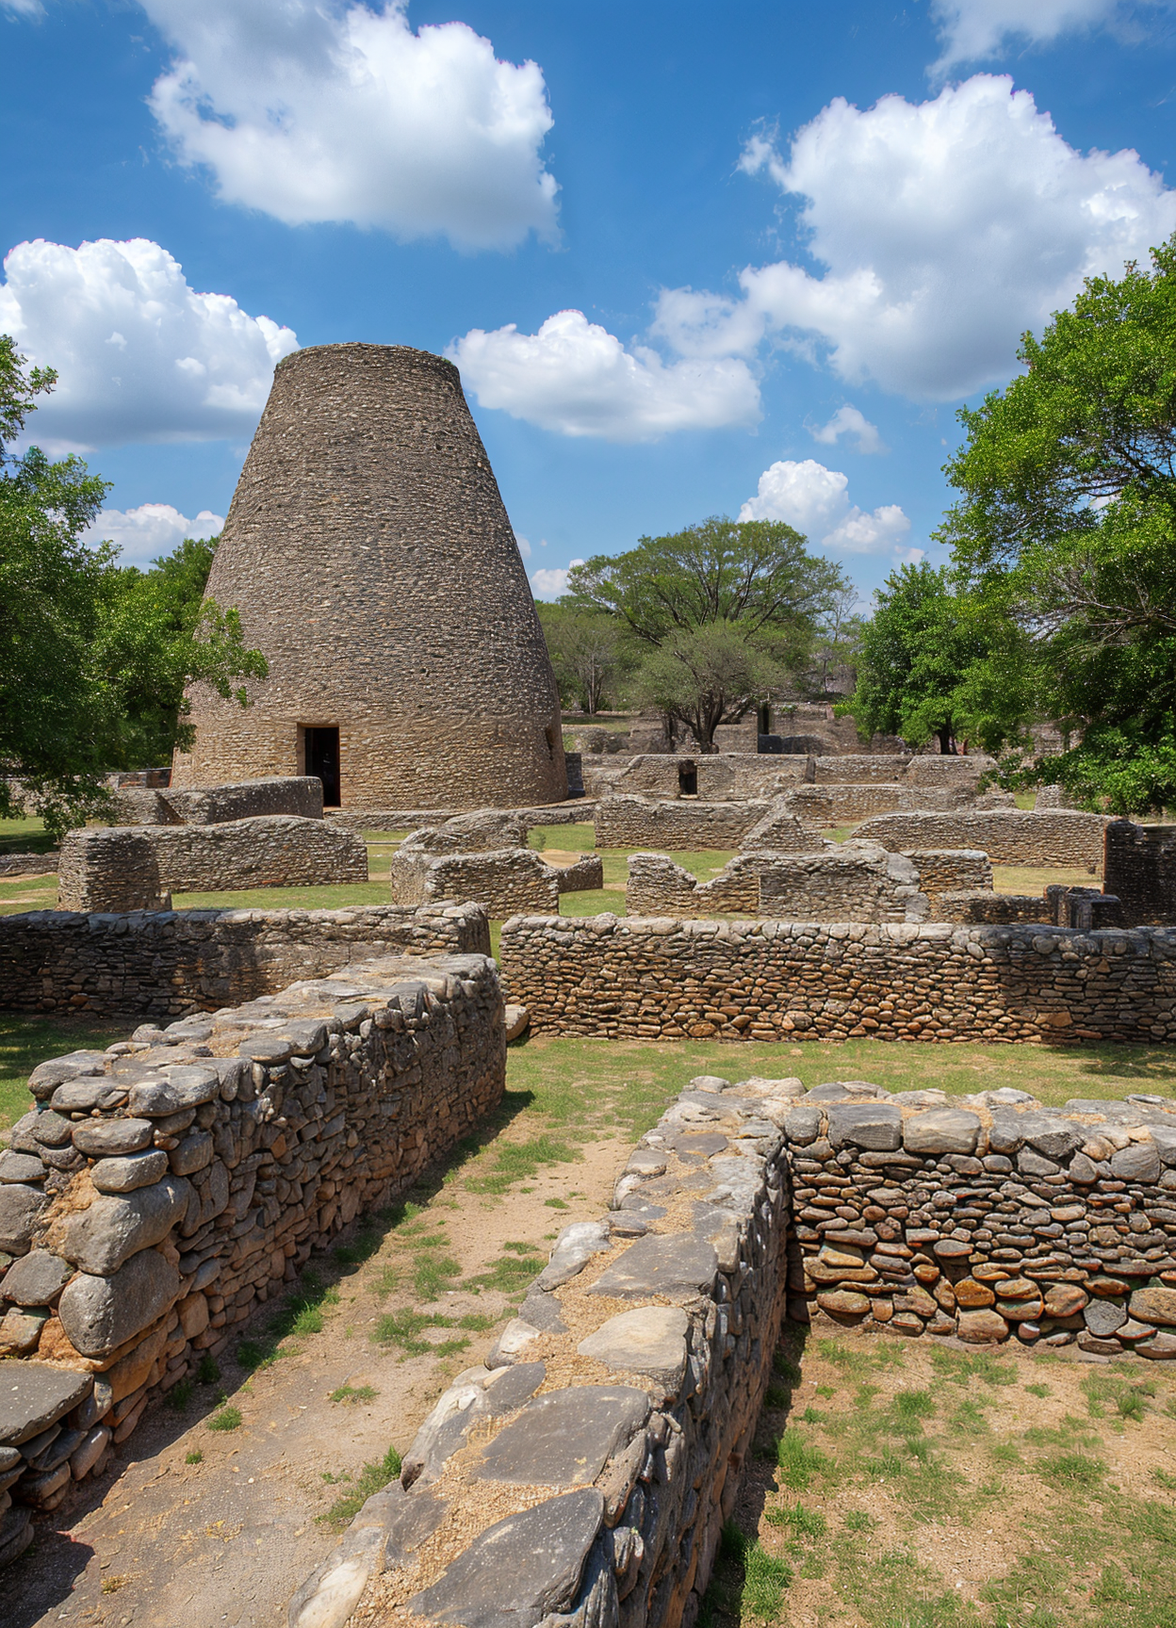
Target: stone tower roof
[{"x": 369, "y": 553}]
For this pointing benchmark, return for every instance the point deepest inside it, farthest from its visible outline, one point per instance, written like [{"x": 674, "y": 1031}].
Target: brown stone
[
  {"x": 970, "y": 1294},
  {"x": 926, "y": 1273},
  {"x": 1108, "y": 1288},
  {"x": 905, "y": 1322},
  {"x": 882, "y": 1310},
  {"x": 983, "y": 1327},
  {"x": 1018, "y": 1289},
  {"x": 1067, "y": 1299},
  {"x": 989, "y": 1272},
  {"x": 133, "y": 1370},
  {"x": 917, "y": 1301},
  {"x": 1154, "y": 1305},
  {"x": 1021, "y": 1311},
  {"x": 843, "y": 1303}
]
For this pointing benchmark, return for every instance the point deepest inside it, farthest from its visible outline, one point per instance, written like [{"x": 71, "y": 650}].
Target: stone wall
[
  {"x": 301, "y": 795},
  {"x": 863, "y": 769},
  {"x": 974, "y": 906},
  {"x": 1007, "y": 836},
  {"x": 857, "y": 882},
  {"x": 654, "y": 979},
  {"x": 28, "y": 864},
  {"x": 159, "y": 1190},
  {"x": 782, "y": 832},
  {"x": 947, "y": 870},
  {"x": 586, "y": 874},
  {"x": 627, "y": 1390},
  {"x": 720, "y": 776},
  {"x": 483, "y": 831},
  {"x": 638, "y": 822},
  {"x": 503, "y": 883},
  {"x": 1140, "y": 869},
  {"x": 986, "y": 1216},
  {"x": 167, "y": 963},
  {"x": 820, "y": 808},
  {"x": 130, "y": 867}
]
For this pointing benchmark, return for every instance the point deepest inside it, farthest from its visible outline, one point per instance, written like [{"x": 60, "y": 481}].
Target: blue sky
[{"x": 690, "y": 258}]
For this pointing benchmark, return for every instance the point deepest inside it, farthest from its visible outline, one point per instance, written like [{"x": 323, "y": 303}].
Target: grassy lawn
[
  {"x": 905, "y": 1485},
  {"x": 21, "y": 893},
  {"x": 27, "y": 1041},
  {"x": 23, "y": 837}
]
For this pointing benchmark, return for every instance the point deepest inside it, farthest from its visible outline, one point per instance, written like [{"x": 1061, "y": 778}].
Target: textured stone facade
[
  {"x": 481, "y": 832},
  {"x": 639, "y": 822},
  {"x": 132, "y": 867},
  {"x": 918, "y": 1213},
  {"x": 301, "y": 795},
  {"x": 947, "y": 870},
  {"x": 781, "y": 831},
  {"x": 976, "y": 905},
  {"x": 1140, "y": 869},
  {"x": 658, "y": 979},
  {"x": 169, "y": 963},
  {"x": 1007, "y": 836},
  {"x": 160, "y": 1190},
  {"x": 627, "y": 1390},
  {"x": 712, "y": 777},
  {"x": 856, "y": 882},
  {"x": 504, "y": 883},
  {"x": 371, "y": 559}
]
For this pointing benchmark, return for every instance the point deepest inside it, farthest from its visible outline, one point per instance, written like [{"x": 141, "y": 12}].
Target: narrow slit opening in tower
[
  {"x": 688, "y": 780},
  {"x": 322, "y": 759}
]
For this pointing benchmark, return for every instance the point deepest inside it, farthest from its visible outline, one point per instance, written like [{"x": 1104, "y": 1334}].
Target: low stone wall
[
  {"x": 781, "y": 832},
  {"x": 990, "y": 1215},
  {"x": 983, "y": 905},
  {"x": 857, "y": 882},
  {"x": 132, "y": 867},
  {"x": 582, "y": 877},
  {"x": 300, "y": 795},
  {"x": 1140, "y": 869},
  {"x": 160, "y": 1190},
  {"x": 638, "y": 978},
  {"x": 582, "y": 1477},
  {"x": 486, "y": 830},
  {"x": 951, "y": 870},
  {"x": 863, "y": 769},
  {"x": 571, "y": 812},
  {"x": 719, "y": 776},
  {"x": 503, "y": 883},
  {"x": 28, "y": 864},
  {"x": 167, "y": 963},
  {"x": 820, "y": 808},
  {"x": 638, "y": 822},
  {"x": 1007, "y": 836}
]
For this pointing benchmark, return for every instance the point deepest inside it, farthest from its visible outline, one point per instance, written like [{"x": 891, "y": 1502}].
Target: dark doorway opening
[
  {"x": 688, "y": 780},
  {"x": 322, "y": 759}
]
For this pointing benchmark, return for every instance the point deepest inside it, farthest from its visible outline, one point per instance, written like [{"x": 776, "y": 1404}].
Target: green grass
[
  {"x": 27, "y": 1041},
  {"x": 19, "y": 894},
  {"x": 227, "y": 1418},
  {"x": 194, "y": 1457},
  {"x": 371, "y": 1479},
  {"x": 301, "y": 1313},
  {"x": 24, "y": 836},
  {"x": 287, "y": 898},
  {"x": 354, "y": 1393}
]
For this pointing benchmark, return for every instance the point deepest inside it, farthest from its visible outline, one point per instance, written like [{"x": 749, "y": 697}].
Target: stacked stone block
[
  {"x": 853, "y": 882},
  {"x": 951, "y": 870},
  {"x": 160, "y": 1190},
  {"x": 1007, "y": 836},
  {"x": 640, "y": 822},
  {"x": 1140, "y": 870},
  {"x": 504, "y": 882}
]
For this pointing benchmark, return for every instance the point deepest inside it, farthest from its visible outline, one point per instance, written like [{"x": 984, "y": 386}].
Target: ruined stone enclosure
[{"x": 372, "y": 561}]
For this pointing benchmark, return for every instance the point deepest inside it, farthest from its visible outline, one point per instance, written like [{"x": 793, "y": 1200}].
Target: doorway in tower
[{"x": 322, "y": 759}]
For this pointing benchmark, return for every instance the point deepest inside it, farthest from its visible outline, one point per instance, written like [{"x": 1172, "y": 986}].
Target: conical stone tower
[{"x": 371, "y": 559}]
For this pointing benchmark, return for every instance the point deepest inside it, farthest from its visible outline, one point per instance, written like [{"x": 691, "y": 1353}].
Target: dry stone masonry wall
[
  {"x": 1140, "y": 870},
  {"x": 951, "y": 870},
  {"x": 988, "y": 1215},
  {"x": 581, "y": 1478},
  {"x": 853, "y": 882},
  {"x": 160, "y": 1190},
  {"x": 639, "y": 978},
  {"x": 165, "y": 964},
  {"x": 296, "y": 794},
  {"x": 638, "y": 822},
  {"x": 1007, "y": 836},
  {"x": 503, "y": 883},
  {"x": 133, "y": 867}
]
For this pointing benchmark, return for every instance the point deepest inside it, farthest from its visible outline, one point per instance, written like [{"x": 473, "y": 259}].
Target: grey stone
[
  {"x": 21, "y": 1208},
  {"x": 193, "y": 1153},
  {"x": 1103, "y": 1317},
  {"x": 846, "y": 1091},
  {"x": 182, "y": 1086},
  {"x": 1004, "y": 1134},
  {"x": 649, "y": 1340},
  {"x": 802, "y": 1125},
  {"x": 565, "y": 1438},
  {"x": 478, "y": 1394},
  {"x": 542, "y": 1311},
  {"x": 873, "y": 1125},
  {"x": 574, "y": 1248},
  {"x": 20, "y": 1330},
  {"x": 36, "y": 1278},
  {"x": 113, "y": 1229},
  {"x": 47, "y": 1076},
  {"x": 126, "y": 1175},
  {"x": 673, "y": 1266},
  {"x": 1034, "y": 1164},
  {"x": 709, "y": 1082},
  {"x": 105, "y": 1138},
  {"x": 1082, "y": 1170},
  {"x": 701, "y": 1144},
  {"x": 34, "y": 1396},
  {"x": 1139, "y": 1161},
  {"x": 1054, "y": 1137},
  {"x": 382, "y": 1536},
  {"x": 1164, "y": 1137},
  {"x": 521, "y": 1569},
  {"x": 16, "y": 1533},
  {"x": 101, "y": 1313},
  {"x": 941, "y": 1130},
  {"x": 10, "y": 1457},
  {"x": 81, "y": 1095},
  {"x": 49, "y": 1129},
  {"x": 21, "y": 1167}
]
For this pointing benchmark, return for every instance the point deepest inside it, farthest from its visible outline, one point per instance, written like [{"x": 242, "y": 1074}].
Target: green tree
[
  {"x": 916, "y": 652},
  {"x": 589, "y": 652},
  {"x": 722, "y": 612},
  {"x": 1066, "y": 532},
  {"x": 88, "y": 649}
]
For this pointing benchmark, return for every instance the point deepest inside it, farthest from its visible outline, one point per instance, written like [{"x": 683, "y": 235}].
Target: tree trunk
[{"x": 947, "y": 743}]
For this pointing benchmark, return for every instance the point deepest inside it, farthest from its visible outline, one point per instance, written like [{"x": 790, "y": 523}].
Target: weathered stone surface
[
  {"x": 803, "y": 1124},
  {"x": 512, "y": 1344},
  {"x": 1064, "y": 1299},
  {"x": 21, "y": 1209},
  {"x": 844, "y": 1303},
  {"x": 107, "y": 1138},
  {"x": 673, "y": 1266},
  {"x": 193, "y": 1154},
  {"x": 1103, "y": 1317},
  {"x": 126, "y": 1175},
  {"x": 16, "y": 1167},
  {"x": 101, "y": 1238},
  {"x": 521, "y": 1569},
  {"x": 34, "y": 1396},
  {"x": 563, "y": 1439},
  {"x": 574, "y": 1248},
  {"x": 650, "y": 1340},
  {"x": 873, "y": 1125},
  {"x": 20, "y": 1329},
  {"x": 970, "y": 1294},
  {"x": 101, "y": 1313},
  {"x": 16, "y": 1533},
  {"x": 477, "y": 1394},
  {"x": 35, "y": 1279},
  {"x": 181, "y": 1087},
  {"x": 1155, "y": 1305},
  {"x": 1160, "y": 1348},
  {"x": 942, "y": 1130},
  {"x": 982, "y": 1327},
  {"x": 1138, "y": 1162}
]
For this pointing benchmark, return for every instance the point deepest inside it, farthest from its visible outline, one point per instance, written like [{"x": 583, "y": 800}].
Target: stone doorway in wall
[
  {"x": 688, "y": 780},
  {"x": 321, "y": 756}
]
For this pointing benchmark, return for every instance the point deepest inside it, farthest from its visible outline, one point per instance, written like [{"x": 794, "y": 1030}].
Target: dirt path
[{"x": 205, "y": 1526}]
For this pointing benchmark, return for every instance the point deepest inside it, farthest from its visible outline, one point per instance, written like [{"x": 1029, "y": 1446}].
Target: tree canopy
[
  {"x": 590, "y": 653},
  {"x": 1066, "y": 532},
  {"x": 94, "y": 656}
]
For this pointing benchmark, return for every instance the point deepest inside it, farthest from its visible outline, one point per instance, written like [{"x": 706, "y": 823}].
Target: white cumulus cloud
[
  {"x": 143, "y": 534},
  {"x": 551, "y": 581},
  {"x": 945, "y": 229},
  {"x": 855, "y": 426},
  {"x": 140, "y": 355},
  {"x": 311, "y": 110},
  {"x": 973, "y": 30},
  {"x": 815, "y": 501},
  {"x": 574, "y": 377}
]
